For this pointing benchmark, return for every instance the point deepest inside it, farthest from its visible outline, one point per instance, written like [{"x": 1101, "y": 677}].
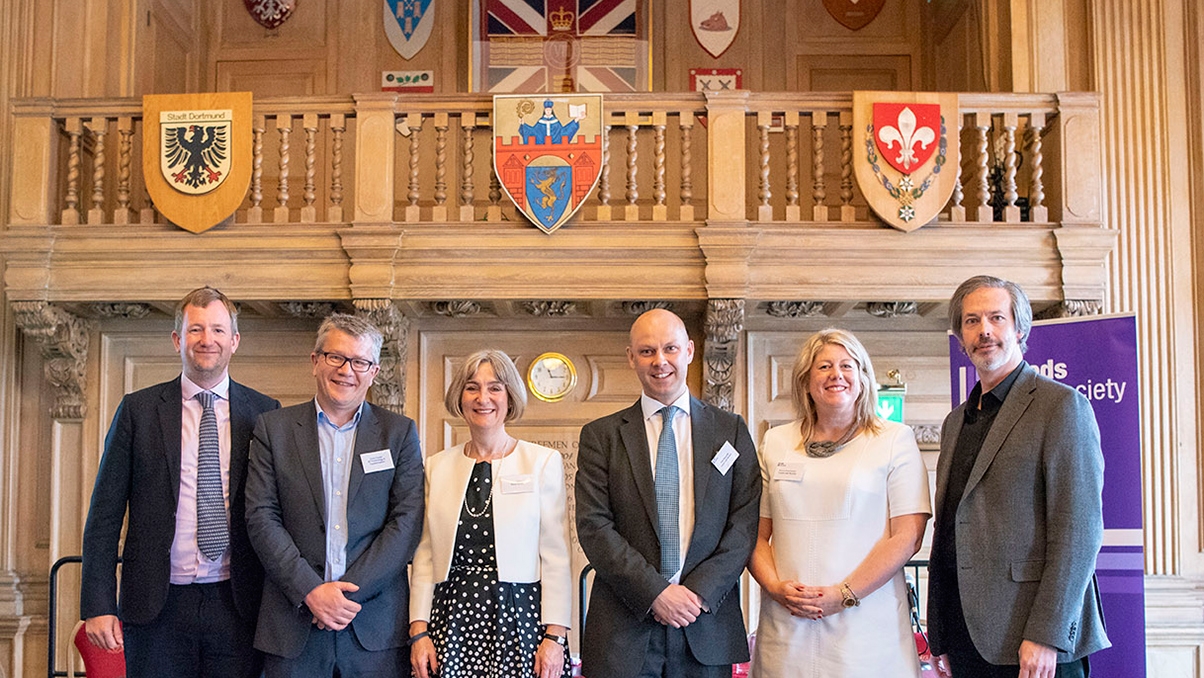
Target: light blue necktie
[
  {"x": 668, "y": 494},
  {"x": 212, "y": 531}
]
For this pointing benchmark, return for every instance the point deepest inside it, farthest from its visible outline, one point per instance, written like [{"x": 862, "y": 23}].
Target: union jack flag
[{"x": 560, "y": 46}]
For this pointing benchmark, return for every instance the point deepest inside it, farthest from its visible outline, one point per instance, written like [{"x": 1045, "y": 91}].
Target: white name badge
[
  {"x": 380, "y": 460},
  {"x": 725, "y": 457},
  {"x": 517, "y": 484},
  {"x": 789, "y": 470}
]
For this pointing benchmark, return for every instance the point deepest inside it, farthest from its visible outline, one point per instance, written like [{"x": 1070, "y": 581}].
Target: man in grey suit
[
  {"x": 175, "y": 463},
  {"x": 1019, "y": 522},
  {"x": 334, "y": 509},
  {"x": 667, "y": 502}
]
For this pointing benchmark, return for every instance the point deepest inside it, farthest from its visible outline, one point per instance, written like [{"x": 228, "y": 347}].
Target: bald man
[{"x": 667, "y": 540}]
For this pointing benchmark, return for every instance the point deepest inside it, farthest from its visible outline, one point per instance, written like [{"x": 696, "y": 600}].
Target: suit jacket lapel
[
  {"x": 635, "y": 440},
  {"x": 1017, "y": 401},
  {"x": 171, "y": 421},
  {"x": 308, "y": 456},
  {"x": 367, "y": 437},
  {"x": 702, "y": 431},
  {"x": 240, "y": 434}
]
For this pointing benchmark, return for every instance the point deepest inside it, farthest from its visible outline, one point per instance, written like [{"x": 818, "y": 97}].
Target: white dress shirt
[
  {"x": 188, "y": 565},
  {"x": 683, "y": 435},
  {"x": 336, "y": 447}
]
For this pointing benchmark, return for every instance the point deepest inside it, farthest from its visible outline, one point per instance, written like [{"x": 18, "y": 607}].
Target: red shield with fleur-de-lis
[{"x": 905, "y": 154}]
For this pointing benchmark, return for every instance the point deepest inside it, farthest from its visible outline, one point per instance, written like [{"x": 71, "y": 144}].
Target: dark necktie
[
  {"x": 668, "y": 494},
  {"x": 212, "y": 533}
]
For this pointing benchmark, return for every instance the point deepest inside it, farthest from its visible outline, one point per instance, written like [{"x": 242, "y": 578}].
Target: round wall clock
[{"x": 551, "y": 377}]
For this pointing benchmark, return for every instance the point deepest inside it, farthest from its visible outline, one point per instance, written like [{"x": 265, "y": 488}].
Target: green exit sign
[{"x": 890, "y": 402}]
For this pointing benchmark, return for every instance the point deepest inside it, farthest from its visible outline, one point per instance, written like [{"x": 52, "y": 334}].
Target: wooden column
[
  {"x": 374, "y": 153},
  {"x": 725, "y": 149}
]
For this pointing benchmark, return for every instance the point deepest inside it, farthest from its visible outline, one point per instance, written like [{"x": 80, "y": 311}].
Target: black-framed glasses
[{"x": 337, "y": 361}]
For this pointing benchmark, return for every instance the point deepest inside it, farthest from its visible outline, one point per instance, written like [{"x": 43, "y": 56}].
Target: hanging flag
[
  {"x": 548, "y": 153},
  {"x": 408, "y": 24},
  {"x": 270, "y": 13},
  {"x": 715, "y": 23}
]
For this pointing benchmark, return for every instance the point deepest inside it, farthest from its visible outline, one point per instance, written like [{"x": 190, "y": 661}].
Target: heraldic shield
[
  {"x": 196, "y": 155},
  {"x": 905, "y": 154},
  {"x": 548, "y": 153}
]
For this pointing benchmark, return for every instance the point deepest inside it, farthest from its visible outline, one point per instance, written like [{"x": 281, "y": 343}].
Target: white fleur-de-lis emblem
[{"x": 907, "y": 136}]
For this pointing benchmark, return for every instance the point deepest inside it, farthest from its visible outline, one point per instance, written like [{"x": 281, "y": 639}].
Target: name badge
[
  {"x": 380, "y": 460},
  {"x": 725, "y": 457},
  {"x": 517, "y": 484},
  {"x": 792, "y": 470}
]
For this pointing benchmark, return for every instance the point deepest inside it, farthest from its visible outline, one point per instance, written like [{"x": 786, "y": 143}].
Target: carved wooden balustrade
[{"x": 667, "y": 158}]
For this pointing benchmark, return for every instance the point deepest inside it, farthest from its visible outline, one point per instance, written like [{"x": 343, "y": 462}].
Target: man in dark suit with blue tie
[
  {"x": 175, "y": 458},
  {"x": 667, "y": 502},
  {"x": 334, "y": 508},
  {"x": 1019, "y": 518}
]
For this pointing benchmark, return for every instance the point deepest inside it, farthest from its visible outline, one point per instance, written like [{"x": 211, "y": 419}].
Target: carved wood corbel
[
  {"x": 389, "y": 388},
  {"x": 724, "y": 324},
  {"x": 63, "y": 338}
]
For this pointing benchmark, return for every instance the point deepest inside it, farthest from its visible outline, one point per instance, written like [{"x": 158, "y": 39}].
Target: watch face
[{"x": 551, "y": 377}]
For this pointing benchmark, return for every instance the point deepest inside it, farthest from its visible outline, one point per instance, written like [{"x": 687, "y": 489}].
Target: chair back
[{"x": 98, "y": 662}]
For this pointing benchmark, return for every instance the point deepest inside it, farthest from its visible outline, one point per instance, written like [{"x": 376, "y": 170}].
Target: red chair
[{"x": 98, "y": 662}]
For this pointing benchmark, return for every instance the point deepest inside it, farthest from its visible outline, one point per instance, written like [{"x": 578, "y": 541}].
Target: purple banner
[{"x": 1098, "y": 357}]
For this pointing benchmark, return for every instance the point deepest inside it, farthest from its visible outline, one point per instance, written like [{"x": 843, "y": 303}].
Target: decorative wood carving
[
  {"x": 794, "y": 309},
  {"x": 126, "y": 311},
  {"x": 307, "y": 309},
  {"x": 1071, "y": 308},
  {"x": 928, "y": 436},
  {"x": 389, "y": 388},
  {"x": 724, "y": 323},
  {"x": 456, "y": 309},
  {"x": 549, "y": 309},
  {"x": 63, "y": 338},
  {"x": 635, "y": 308},
  {"x": 891, "y": 309}
]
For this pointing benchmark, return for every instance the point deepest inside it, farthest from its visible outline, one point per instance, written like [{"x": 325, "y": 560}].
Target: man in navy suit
[
  {"x": 667, "y": 533},
  {"x": 187, "y": 610},
  {"x": 334, "y": 509}
]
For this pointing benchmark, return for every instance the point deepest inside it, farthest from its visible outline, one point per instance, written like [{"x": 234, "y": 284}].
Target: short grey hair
[
  {"x": 1022, "y": 310},
  {"x": 503, "y": 369},
  {"x": 352, "y": 325}
]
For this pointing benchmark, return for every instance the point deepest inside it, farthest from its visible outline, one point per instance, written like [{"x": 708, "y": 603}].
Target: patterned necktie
[
  {"x": 667, "y": 494},
  {"x": 212, "y": 534}
]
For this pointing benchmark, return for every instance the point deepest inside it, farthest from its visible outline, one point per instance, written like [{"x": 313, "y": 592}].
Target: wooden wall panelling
[
  {"x": 168, "y": 48},
  {"x": 891, "y": 43}
]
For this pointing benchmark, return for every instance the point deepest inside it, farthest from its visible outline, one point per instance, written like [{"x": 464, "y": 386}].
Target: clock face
[{"x": 551, "y": 377}]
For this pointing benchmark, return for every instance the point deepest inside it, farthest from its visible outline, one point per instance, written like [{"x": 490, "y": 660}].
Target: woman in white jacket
[{"x": 477, "y": 609}]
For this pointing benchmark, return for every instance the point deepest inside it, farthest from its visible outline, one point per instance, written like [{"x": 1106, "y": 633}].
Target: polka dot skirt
[{"x": 482, "y": 627}]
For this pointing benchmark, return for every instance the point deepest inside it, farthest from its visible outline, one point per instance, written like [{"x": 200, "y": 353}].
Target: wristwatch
[
  {"x": 850, "y": 598},
  {"x": 559, "y": 640}
]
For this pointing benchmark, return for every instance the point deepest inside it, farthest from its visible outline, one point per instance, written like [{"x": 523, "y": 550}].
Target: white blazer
[{"x": 531, "y": 532}]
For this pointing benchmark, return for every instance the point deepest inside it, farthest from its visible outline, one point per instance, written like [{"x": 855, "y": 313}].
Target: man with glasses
[
  {"x": 175, "y": 462},
  {"x": 334, "y": 509}
]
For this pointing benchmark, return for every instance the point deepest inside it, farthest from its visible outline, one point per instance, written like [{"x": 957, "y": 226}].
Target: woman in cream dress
[{"x": 844, "y": 506}]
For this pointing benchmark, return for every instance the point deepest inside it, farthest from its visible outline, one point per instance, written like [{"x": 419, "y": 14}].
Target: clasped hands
[
  {"x": 808, "y": 602},
  {"x": 676, "y": 606},
  {"x": 331, "y": 608}
]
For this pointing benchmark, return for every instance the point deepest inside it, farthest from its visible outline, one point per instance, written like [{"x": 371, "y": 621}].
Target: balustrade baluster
[
  {"x": 685, "y": 121},
  {"x": 439, "y": 211},
  {"x": 494, "y": 211},
  {"x": 1037, "y": 211},
  {"x": 146, "y": 215},
  {"x": 1011, "y": 212},
  {"x": 99, "y": 127},
  {"x": 255, "y": 212},
  {"x": 414, "y": 123},
  {"x": 468, "y": 121},
  {"x": 957, "y": 213},
  {"x": 793, "y": 210},
  {"x": 632, "y": 210},
  {"x": 74, "y": 129},
  {"x": 819, "y": 122},
  {"x": 603, "y": 213},
  {"x": 848, "y": 213},
  {"x": 982, "y": 122},
  {"x": 309, "y": 213},
  {"x": 764, "y": 209},
  {"x": 659, "y": 211},
  {"x": 338, "y": 125},
  {"x": 284, "y": 125},
  {"x": 125, "y": 146}
]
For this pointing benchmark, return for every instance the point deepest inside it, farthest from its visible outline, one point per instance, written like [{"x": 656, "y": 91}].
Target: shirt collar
[
  {"x": 189, "y": 389},
  {"x": 652, "y": 407},
  {"x": 994, "y": 398},
  {"x": 324, "y": 420}
]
